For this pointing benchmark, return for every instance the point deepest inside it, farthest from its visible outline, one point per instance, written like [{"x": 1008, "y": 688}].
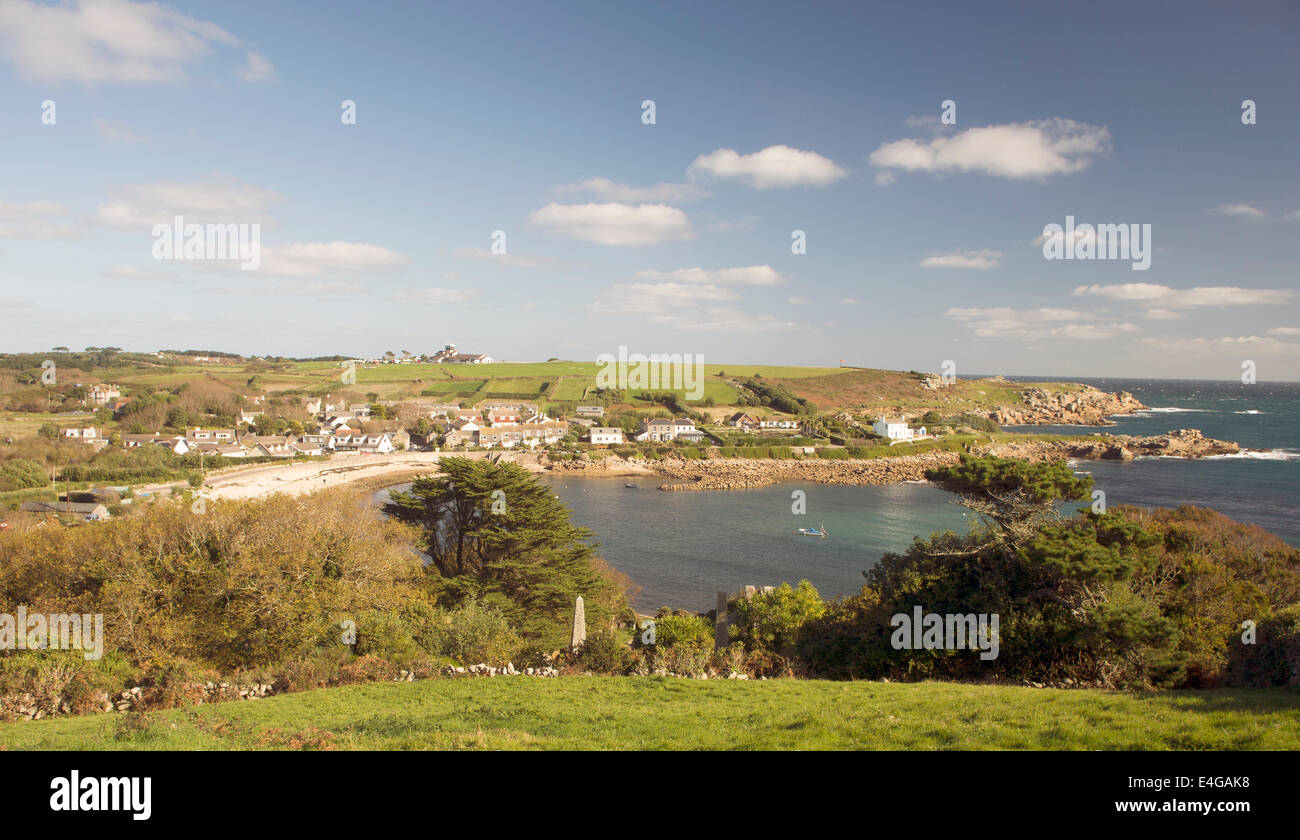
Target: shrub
[
  {"x": 770, "y": 621},
  {"x": 603, "y": 653}
]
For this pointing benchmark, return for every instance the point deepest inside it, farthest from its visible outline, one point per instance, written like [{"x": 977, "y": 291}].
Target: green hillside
[
  {"x": 829, "y": 388},
  {"x": 668, "y": 713}
]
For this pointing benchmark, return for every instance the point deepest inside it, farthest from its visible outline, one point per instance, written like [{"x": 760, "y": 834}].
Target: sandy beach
[{"x": 298, "y": 478}]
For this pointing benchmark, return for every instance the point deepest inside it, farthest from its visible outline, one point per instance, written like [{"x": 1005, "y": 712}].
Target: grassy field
[
  {"x": 666, "y": 713},
  {"x": 828, "y": 388}
]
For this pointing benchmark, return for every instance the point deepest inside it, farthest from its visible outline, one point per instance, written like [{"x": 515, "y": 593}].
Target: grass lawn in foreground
[{"x": 669, "y": 713}]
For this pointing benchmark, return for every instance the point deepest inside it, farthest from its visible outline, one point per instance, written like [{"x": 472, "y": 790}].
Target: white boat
[{"x": 819, "y": 531}]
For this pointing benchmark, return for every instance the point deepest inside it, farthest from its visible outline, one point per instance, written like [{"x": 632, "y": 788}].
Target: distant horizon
[{"x": 1025, "y": 377}]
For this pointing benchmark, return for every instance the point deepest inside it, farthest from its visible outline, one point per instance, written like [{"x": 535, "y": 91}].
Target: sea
[{"x": 681, "y": 548}]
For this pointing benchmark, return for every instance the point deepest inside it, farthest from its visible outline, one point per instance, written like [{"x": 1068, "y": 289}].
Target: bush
[
  {"x": 603, "y": 653},
  {"x": 771, "y": 621}
]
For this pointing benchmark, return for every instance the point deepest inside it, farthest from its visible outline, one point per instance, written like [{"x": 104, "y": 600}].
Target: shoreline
[{"x": 712, "y": 473}]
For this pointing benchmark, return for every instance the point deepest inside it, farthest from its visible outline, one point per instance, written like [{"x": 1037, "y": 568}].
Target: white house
[
  {"x": 605, "y": 435},
  {"x": 666, "y": 430},
  {"x": 775, "y": 422},
  {"x": 896, "y": 428}
]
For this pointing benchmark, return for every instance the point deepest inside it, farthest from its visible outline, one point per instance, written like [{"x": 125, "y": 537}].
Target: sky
[{"x": 504, "y": 188}]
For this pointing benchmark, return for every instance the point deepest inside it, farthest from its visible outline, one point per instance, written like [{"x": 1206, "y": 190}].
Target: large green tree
[{"x": 495, "y": 533}]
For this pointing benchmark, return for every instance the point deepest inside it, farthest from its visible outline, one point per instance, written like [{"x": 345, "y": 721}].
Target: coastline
[{"x": 712, "y": 473}]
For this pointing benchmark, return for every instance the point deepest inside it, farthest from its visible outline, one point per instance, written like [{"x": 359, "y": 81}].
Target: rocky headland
[{"x": 1088, "y": 407}]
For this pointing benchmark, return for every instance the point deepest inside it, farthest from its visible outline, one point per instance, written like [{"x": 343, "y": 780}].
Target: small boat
[
  {"x": 819, "y": 531},
  {"x": 633, "y": 486}
]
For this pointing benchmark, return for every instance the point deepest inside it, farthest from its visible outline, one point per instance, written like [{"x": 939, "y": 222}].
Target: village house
[
  {"x": 605, "y": 436},
  {"x": 741, "y": 420},
  {"x": 456, "y": 437},
  {"x": 380, "y": 444},
  {"x": 197, "y": 435},
  {"x": 503, "y": 416},
  {"x": 782, "y": 423},
  {"x": 225, "y": 450},
  {"x": 896, "y": 429},
  {"x": 663, "y": 430},
  {"x": 175, "y": 443},
  {"x": 272, "y": 445},
  {"x": 590, "y": 410},
  {"x": 103, "y": 394},
  {"x": 323, "y": 406},
  {"x": 88, "y": 434}
]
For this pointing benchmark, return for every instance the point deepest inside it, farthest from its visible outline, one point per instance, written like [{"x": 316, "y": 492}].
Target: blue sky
[{"x": 923, "y": 239}]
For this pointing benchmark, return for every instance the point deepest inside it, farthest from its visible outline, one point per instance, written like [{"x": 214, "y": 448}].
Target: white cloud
[
  {"x": 126, "y": 272},
  {"x": 211, "y": 202},
  {"x": 514, "y": 260},
  {"x": 1035, "y": 149},
  {"x": 1004, "y": 322},
  {"x": 754, "y": 275},
  {"x": 658, "y": 298},
  {"x": 11, "y": 210},
  {"x": 884, "y": 178},
  {"x": 1226, "y": 344},
  {"x": 1241, "y": 210},
  {"x": 257, "y": 68},
  {"x": 436, "y": 295},
  {"x": 1293, "y": 216},
  {"x": 722, "y": 320},
  {"x": 108, "y": 41},
  {"x": 775, "y": 166},
  {"x": 614, "y": 223},
  {"x": 796, "y": 300},
  {"x": 117, "y": 131},
  {"x": 1170, "y": 298},
  {"x": 724, "y": 225},
  {"x": 1162, "y": 315},
  {"x": 848, "y": 301},
  {"x": 309, "y": 259},
  {"x": 984, "y": 259},
  {"x": 1284, "y": 331},
  {"x": 604, "y": 188},
  {"x": 320, "y": 289},
  {"x": 36, "y": 220}
]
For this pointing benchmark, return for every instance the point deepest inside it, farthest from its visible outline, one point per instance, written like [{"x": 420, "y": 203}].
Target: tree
[
  {"x": 49, "y": 431},
  {"x": 1019, "y": 497},
  {"x": 496, "y": 533}
]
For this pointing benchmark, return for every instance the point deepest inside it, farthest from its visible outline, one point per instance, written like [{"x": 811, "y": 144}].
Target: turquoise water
[{"x": 680, "y": 548}]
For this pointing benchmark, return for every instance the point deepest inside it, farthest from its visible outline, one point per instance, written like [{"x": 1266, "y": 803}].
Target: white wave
[
  {"x": 1174, "y": 410},
  {"x": 1263, "y": 455},
  {"x": 1249, "y": 411}
]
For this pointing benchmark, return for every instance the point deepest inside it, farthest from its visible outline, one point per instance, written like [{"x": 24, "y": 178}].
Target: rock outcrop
[
  {"x": 1089, "y": 407},
  {"x": 1181, "y": 443},
  {"x": 716, "y": 473}
]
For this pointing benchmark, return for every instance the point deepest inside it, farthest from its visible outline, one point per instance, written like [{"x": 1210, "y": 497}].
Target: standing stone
[
  {"x": 579, "y": 625},
  {"x": 722, "y": 624}
]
